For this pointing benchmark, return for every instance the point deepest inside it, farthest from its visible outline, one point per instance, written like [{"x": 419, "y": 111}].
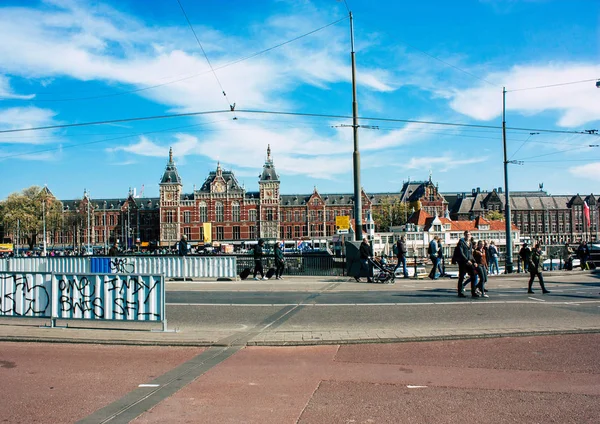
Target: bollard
[{"x": 415, "y": 259}]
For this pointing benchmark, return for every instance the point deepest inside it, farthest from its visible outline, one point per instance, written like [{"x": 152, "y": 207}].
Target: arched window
[
  {"x": 219, "y": 212},
  {"x": 235, "y": 212},
  {"x": 202, "y": 212}
]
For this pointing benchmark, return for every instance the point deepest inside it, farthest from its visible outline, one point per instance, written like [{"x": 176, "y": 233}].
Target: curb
[{"x": 277, "y": 343}]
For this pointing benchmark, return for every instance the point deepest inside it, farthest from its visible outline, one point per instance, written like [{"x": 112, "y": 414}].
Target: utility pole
[
  {"x": 44, "y": 223},
  {"x": 18, "y": 235},
  {"x": 356, "y": 154},
  {"x": 508, "y": 266}
]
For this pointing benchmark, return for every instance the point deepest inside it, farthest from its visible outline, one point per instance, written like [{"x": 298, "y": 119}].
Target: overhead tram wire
[
  {"x": 267, "y": 112},
  {"x": 231, "y": 105},
  {"x": 195, "y": 75},
  {"x": 104, "y": 140},
  {"x": 552, "y": 85}
]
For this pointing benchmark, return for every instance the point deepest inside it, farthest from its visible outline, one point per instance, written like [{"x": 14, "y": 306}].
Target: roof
[
  {"x": 268, "y": 173},
  {"x": 170, "y": 176}
]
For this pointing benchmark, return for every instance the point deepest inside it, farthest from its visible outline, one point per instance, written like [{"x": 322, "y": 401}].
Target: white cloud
[
  {"x": 7, "y": 93},
  {"x": 590, "y": 171},
  {"x": 26, "y": 117},
  {"x": 440, "y": 163},
  {"x": 576, "y": 104}
]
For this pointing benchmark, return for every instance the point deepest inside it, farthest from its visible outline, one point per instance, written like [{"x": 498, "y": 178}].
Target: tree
[
  {"x": 494, "y": 216},
  {"x": 390, "y": 212},
  {"x": 26, "y": 210}
]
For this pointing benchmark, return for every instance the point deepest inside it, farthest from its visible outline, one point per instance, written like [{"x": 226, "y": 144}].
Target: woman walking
[{"x": 536, "y": 266}]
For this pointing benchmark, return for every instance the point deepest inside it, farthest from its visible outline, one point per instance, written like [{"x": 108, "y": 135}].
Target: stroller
[{"x": 383, "y": 274}]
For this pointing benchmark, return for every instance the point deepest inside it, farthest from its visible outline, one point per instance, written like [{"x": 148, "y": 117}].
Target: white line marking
[
  {"x": 149, "y": 385},
  {"x": 449, "y": 303},
  {"x": 415, "y": 387}
]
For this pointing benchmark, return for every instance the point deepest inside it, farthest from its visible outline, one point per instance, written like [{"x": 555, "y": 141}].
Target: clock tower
[
  {"x": 269, "y": 212},
  {"x": 170, "y": 202}
]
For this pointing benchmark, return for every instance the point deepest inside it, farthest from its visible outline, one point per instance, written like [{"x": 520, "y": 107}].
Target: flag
[{"x": 586, "y": 214}]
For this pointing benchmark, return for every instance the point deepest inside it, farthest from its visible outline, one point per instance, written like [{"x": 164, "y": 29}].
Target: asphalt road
[{"x": 423, "y": 305}]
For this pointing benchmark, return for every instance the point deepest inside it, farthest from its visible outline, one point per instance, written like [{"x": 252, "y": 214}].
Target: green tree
[
  {"x": 26, "y": 210},
  {"x": 494, "y": 216},
  {"x": 390, "y": 212}
]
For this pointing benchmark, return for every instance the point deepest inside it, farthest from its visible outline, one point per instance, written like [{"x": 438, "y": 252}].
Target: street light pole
[
  {"x": 44, "y": 223},
  {"x": 508, "y": 266},
  {"x": 356, "y": 154}
]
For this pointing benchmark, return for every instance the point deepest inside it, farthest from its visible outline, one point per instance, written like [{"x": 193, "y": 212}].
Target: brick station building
[{"x": 236, "y": 215}]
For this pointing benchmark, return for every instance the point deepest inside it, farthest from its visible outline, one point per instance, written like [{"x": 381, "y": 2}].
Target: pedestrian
[
  {"x": 525, "y": 256},
  {"x": 182, "y": 246},
  {"x": 536, "y": 266},
  {"x": 366, "y": 253},
  {"x": 493, "y": 258},
  {"x": 465, "y": 261},
  {"x": 481, "y": 266},
  {"x": 401, "y": 255},
  {"x": 567, "y": 257},
  {"x": 441, "y": 261},
  {"x": 432, "y": 250},
  {"x": 258, "y": 254},
  {"x": 114, "y": 249},
  {"x": 583, "y": 254},
  {"x": 279, "y": 261}
]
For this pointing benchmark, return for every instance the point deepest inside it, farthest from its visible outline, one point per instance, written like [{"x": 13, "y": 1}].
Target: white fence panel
[
  {"x": 120, "y": 297},
  {"x": 25, "y": 295}
]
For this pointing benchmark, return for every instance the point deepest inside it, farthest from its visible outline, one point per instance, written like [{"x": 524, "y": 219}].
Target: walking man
[
  {"x": 365, "y": 252},
  {"x": 279, "y": 261},
  {"x": 401, "y": 255},
  {"x": 465, "y": 265},
  {"x": 432, "y": 250},
  {"x": 258, "y": 254},
  {"x": 536, "y": 266}
]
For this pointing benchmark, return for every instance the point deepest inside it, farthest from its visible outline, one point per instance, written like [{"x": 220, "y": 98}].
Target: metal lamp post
[
  {"x": 356, "y": 153},
  {"x": 508, "y": 266}
]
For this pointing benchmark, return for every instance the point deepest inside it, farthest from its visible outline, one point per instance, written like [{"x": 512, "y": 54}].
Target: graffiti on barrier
[
  {"x": 81, "y": 295},
  {"x": 34, "y": 297},
  {"x": 122, "y": 266}
]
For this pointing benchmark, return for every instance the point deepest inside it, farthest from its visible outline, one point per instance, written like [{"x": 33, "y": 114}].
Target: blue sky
[{"x": 67, "y": 61}]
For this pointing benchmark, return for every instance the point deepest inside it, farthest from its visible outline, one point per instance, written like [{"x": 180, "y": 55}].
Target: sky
[{"x": 285, "y": 68}]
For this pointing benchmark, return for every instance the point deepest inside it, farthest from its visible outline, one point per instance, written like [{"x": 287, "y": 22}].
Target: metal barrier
[
  {"x": 169, "y": 266},
  {"x": 296, "y": 264},
  {"x": 69, "y": 296},
  {"x": 25, "y": 295}
]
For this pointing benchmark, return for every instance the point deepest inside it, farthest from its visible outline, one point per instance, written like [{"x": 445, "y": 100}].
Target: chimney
[
  {"x": 473, "y": 192},
  {"x": 500, "y": 190},
  {"x": 478, "y": 190}
]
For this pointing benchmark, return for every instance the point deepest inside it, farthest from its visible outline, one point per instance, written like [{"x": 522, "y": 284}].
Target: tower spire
[
  {"x": 170, "y": 156},
  {"x": 268, "y": 152}
]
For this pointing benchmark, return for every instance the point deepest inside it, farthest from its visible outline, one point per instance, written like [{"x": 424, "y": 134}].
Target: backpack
[
  {"x": 456, "y": 255},
  {"x": 395, "y": 248}
]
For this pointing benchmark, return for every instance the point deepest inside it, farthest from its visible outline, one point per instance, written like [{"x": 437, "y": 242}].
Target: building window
[
  {"x": 169, "y": 217},
  {"x": 269, "y": 214},
  {"x": 282, "y": 233},
  {"x": 236, "y": 232},
  {"x": 252, "y": 231},
  {"x": 202, "y": 212},
  {"x": 320, "y": 216},
  {"x": 202, "y": 234},
  {"x": 235, "y": 212},
  {"x": 186, "y": 217},
  {"x": 111, "y": 219},
  {"x": 220, "y": 233},
  {"x": 219, "y": 212},
  {"x": 313, "y": 217},
  {"x": 187, "y": 232},
  {"x": 296, "y": 216},
  {"x": 252, "y": 215},
  {"x": 289, "y": 232},
  {"x": 297, "y": 232},
  {"x": 289, "y": 216}
]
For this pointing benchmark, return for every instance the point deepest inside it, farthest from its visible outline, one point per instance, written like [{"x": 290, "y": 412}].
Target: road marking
[
  {"x": 149, "y": 385},
  {"x": 416, "y": 387},
  {"x": 457, "y": 302}
]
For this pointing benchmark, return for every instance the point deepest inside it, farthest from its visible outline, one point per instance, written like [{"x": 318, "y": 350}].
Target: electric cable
[{"x": 552, "y": 85}]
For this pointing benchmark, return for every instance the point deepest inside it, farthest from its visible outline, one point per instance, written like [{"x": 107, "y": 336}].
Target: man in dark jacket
[
  {"x": 279, "y": 261},
  {"x": 432, "y": 251},
  {"x": 525, "y": 255},
  {"x": 466, "y": 265},
  {"x": 365, "y": 252},
  {"x": 258, "y": 254},
  {"x": 401, "y": 255},
  {"x": 182, "y": 246},
  {"x": 114, "y": 250}
]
